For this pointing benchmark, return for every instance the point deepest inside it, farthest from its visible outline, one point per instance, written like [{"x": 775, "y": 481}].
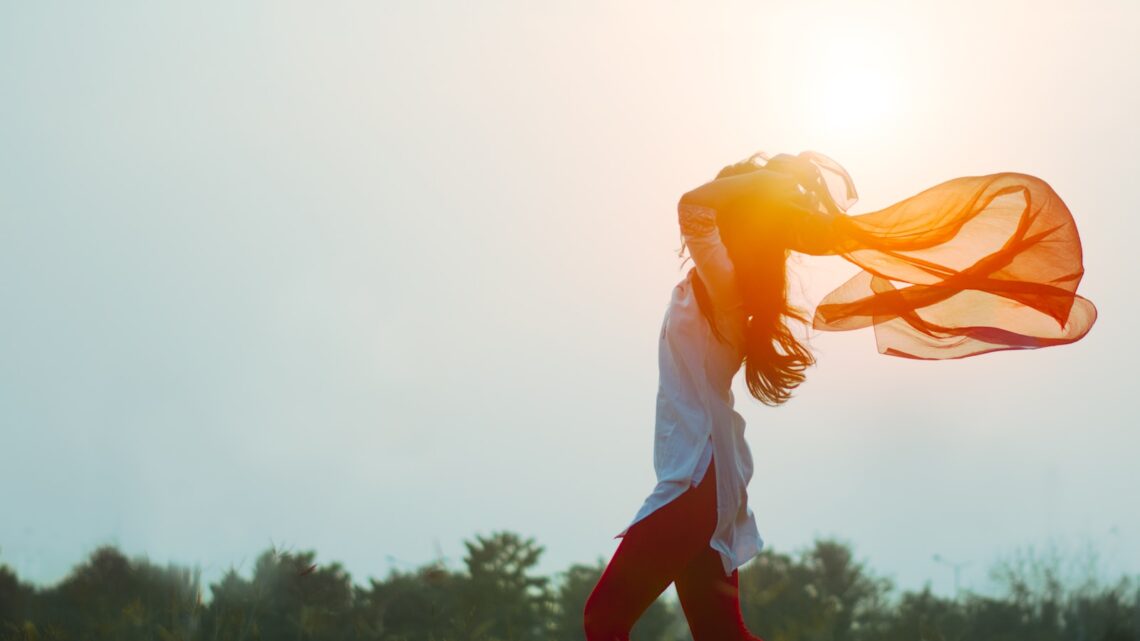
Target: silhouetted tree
[
  {"x": 15, "y": 603},
  {"x": 502, "y": 597},
  {"x": 573, "y": 590},
  {"x": 112, "y": 597},
  {"x": 416, "y": 606},
  {"x": 823, "y": 596},
  {"x": 288, "y": 597},
  {"x": 820, "y": 595},
  {"x": 923, "y": 615}
]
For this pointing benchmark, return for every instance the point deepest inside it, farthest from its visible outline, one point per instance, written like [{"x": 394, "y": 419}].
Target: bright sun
[
  {"x": 856, "y": 88},
  {"x": 858, "y": 97}
]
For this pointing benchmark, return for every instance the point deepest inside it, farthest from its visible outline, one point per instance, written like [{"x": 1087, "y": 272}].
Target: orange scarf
[{"x": 973, "y": 265}]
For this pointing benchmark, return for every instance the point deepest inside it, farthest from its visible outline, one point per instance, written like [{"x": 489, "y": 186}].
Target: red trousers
[{"x": 670, "y": 545}]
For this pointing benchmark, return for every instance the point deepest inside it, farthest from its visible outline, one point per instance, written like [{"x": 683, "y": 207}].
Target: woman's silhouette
[{"x": 988, "y": 263}]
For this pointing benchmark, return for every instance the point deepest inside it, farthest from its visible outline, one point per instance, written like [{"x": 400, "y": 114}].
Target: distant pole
[{"x": 957, "y": 571}]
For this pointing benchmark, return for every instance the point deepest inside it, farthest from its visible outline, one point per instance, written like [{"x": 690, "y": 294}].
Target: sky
[{"x": 374, "y": 278}]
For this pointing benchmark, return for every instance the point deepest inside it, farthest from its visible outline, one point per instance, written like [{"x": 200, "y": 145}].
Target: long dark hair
[{"x": 774, "y": 359}]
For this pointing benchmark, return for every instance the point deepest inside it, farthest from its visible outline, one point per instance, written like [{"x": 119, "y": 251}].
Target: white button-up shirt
[{"x": 695, "y": 416}]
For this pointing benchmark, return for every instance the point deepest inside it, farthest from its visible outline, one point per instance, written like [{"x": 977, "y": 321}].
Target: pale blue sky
[{"x": 372, "y": 278}]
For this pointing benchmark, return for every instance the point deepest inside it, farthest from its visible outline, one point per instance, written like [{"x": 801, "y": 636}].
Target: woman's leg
[
  {"x": 711, "y": 600},
  {"x": 653, "y": 552}
]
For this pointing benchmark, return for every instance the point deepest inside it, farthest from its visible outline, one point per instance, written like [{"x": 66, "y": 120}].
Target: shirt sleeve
[{"x": 698, "y": 227}]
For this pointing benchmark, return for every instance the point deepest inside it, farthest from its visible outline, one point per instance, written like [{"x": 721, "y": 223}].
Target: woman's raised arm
[
  {"x": 747, "y": 191},
  {"x": 771, "y": 200},
  {"x": 710, "y": 257}
]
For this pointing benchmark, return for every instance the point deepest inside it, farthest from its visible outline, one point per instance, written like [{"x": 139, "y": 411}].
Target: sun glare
[{"x": 856, "y": 91}]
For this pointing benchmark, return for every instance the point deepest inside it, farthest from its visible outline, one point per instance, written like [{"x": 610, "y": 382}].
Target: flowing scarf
[{"x": 973, "y": 265}]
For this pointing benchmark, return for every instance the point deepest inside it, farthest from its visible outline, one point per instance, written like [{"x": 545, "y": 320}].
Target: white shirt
[{"x": 695, "y": 417}]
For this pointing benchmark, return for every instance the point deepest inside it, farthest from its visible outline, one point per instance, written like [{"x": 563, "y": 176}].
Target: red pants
[{"x": 671, "y": 545}]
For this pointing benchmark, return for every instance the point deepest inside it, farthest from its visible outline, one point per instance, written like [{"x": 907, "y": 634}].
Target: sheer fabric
[{"x": 973, "y": 265}]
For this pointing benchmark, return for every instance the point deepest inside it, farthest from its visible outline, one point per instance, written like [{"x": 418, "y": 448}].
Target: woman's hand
[{"x": 743, "y": 167}]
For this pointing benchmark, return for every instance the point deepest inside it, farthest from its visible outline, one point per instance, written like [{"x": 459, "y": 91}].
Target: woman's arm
[
  {"x": 710, "y": 257},
  {"x": 752, "y": 191},
  {"x": 773, "y": 201}
]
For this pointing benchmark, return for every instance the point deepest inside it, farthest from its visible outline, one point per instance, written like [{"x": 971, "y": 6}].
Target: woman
[{"x": 988, "y": 263}]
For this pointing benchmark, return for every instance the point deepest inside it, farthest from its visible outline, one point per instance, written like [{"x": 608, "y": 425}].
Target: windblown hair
[{"x": 774, "y": 359}]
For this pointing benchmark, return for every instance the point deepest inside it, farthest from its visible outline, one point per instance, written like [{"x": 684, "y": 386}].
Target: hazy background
[{"x": 371, "y": 278}]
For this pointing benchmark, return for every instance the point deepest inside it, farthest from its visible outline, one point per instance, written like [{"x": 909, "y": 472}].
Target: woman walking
[{"x": 989, "y": 263}]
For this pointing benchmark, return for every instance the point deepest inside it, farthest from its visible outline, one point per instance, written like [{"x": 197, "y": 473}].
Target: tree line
[{"x": 821, "y": 593}]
